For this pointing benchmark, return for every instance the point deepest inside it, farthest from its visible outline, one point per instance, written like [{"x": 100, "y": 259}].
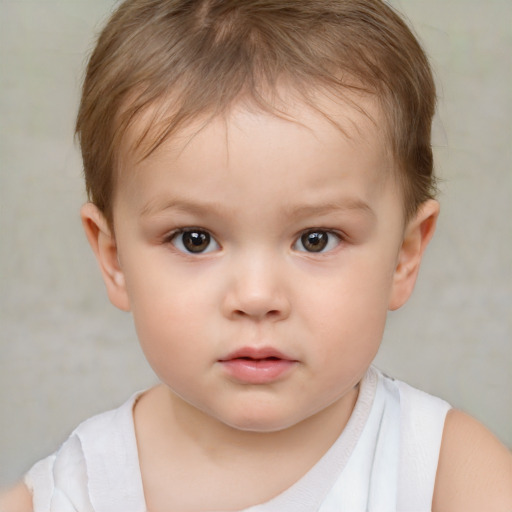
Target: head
[
  {"x": 173, "y": 61},
  {"x": 260, "y": 179}
]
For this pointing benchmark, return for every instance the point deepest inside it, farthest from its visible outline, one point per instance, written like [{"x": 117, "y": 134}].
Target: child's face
[{"x": 259, "y": 258}]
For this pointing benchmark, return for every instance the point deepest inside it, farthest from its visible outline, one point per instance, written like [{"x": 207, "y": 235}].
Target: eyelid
[
  {"x": 331, "y": 232},
  {"x": 171, "y": 237}
]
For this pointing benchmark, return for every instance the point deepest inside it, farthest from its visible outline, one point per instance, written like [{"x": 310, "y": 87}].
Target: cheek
[
  {"x": 348, "y": 311},
  {"x": 170, "y": 317}
]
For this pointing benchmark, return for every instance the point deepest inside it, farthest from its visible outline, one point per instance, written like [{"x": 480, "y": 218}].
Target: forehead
[
  {"x": 355, "y": 117},
  {"x": 299, "y": 153}
]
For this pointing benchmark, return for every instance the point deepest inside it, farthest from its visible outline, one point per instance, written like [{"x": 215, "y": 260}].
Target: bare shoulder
[
  {"x": 475, "y": 469},
  {"x": 17, "y": 499}
]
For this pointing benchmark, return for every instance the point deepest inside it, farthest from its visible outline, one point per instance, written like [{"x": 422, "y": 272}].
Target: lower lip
[{"x": 257, "y": 371}]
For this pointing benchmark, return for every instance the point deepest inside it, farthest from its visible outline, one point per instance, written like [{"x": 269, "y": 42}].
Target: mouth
[
  {"x": 257, "y": 365},
  {"x": 256, "y": 354}
]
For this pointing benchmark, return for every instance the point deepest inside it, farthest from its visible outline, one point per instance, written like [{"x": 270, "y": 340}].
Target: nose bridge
[{"x": 257, "y": 286}]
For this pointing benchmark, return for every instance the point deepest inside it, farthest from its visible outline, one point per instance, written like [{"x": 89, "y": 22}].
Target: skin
[{"x": 255, "y": 183}]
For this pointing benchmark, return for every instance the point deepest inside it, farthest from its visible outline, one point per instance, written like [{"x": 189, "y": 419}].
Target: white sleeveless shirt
[{"x": 384, "y": 460}]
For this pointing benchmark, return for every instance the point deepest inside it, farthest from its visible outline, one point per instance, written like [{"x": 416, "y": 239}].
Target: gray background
[{"x": 66, "y": 353}]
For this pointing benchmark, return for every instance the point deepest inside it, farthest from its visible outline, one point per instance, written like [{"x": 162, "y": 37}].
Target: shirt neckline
[{"x": 308, "y": 492}]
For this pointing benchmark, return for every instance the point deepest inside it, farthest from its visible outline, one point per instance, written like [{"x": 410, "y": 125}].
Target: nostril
[
  {"x": 242, "y": 303},
  {"x": 272, "y": 314}
]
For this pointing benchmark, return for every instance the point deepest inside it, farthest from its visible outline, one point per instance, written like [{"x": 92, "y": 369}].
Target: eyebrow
[
  {"x": 188, "y": 206},
  {"x": 304, "y": 210},
  {"x": 345, "y": 204}
]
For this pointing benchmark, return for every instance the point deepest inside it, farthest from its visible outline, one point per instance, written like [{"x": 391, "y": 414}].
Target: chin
[{"x": 258, "y": 421}]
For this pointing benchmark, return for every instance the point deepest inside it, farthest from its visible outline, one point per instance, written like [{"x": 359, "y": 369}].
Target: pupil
[
  {"x": 314, "y": 241},
  {"x": 196, "y": 241}
]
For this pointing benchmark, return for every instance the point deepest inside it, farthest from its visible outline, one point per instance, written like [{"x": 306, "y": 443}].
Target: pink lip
[{"x": 252, "y": 365}]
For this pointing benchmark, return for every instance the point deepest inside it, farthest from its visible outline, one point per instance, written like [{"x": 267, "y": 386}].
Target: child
[{"x": 261, "y": 188}]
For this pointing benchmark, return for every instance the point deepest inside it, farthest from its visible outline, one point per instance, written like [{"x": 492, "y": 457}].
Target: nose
[{"x": 257, "y": 290}]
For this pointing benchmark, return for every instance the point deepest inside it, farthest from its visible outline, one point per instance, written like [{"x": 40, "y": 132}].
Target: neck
[
  {"x": 182, "y": 449},
  {"x": 174, "y": 418}
]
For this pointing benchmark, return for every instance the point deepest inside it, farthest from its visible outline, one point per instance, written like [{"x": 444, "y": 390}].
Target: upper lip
[{"x": 256, "y": 353}]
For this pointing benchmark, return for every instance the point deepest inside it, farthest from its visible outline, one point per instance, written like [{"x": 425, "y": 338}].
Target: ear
[
  {"x": 104, "y": 246},
  {"x": 418, "y": 234}
]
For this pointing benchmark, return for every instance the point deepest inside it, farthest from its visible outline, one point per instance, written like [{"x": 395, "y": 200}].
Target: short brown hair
[{"x": 204, "y": 54}]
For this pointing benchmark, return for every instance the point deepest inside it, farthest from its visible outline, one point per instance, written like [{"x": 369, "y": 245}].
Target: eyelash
[
  {"x": 202, "y": 237},
  {"x": 327, "y": 237},
  {"x": 206, "y": 238}
]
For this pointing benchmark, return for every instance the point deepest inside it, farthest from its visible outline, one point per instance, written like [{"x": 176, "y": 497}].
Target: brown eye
[
  {"x": 317, "y": 240},
  {"x": 194, "y": 241},
  {"x": 314, "y": 241}
]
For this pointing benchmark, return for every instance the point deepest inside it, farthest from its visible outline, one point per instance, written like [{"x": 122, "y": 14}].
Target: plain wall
[{"x": 66, "y": 353}]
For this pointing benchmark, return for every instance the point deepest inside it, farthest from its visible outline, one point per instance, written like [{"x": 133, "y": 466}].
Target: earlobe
[
  {"x": 104, "y": 246},
  {"x": 418, "y": 234}
]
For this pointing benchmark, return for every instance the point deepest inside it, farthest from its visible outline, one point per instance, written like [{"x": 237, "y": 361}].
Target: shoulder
[
  {"x": 475, "y": 469},
  {"x": 17, "y": 499},
  {"x": 95, "y": 450}
]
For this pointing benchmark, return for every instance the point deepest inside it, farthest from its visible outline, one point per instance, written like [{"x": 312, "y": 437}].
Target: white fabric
[
  {"x": 384, "y": 460},
  {"x": 422, "y": 421},
  {"x": 95, "y": 470}
]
